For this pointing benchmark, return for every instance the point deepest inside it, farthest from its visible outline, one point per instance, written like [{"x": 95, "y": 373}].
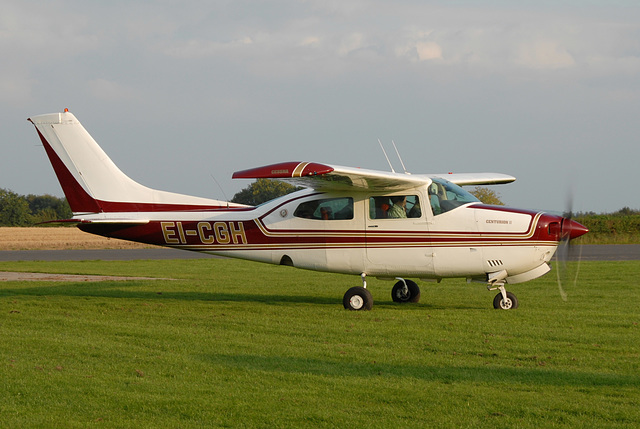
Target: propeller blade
[
  {"x": 561, "y": 266},
  {"x": 568, "y": 255}
]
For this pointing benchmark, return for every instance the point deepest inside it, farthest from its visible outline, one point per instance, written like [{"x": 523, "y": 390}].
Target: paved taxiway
[
  {"x": 99, "y": 254},
  {"x": 609, "y": 252}
]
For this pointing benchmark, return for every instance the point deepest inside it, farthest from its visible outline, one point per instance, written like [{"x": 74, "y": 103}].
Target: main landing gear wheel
[
  {"x": 499, "y": 303},
  {"x": 358, "y": 298},
  {"x": 409, "y": 293}
]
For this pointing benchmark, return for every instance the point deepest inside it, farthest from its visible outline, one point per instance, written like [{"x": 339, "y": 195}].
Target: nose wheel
[
  {"x": 504, "y": 300},
  {"x": 509, "y": 302}
]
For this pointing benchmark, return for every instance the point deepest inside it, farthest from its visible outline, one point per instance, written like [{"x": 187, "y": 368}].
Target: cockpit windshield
[{"x": 445, "y": 196}]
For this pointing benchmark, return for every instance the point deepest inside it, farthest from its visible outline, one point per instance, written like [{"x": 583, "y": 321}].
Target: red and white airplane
[{"x": 348, "y": 220}]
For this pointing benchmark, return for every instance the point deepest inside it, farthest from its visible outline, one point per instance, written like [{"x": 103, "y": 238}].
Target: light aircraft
[{"x": 389, "y": 225}]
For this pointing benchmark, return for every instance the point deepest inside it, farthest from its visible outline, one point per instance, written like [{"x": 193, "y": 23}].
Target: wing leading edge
[{"x": 325, "y": 177}]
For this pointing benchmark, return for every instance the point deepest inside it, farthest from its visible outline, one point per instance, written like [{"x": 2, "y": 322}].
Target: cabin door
[{"x": 397, "y": 240}]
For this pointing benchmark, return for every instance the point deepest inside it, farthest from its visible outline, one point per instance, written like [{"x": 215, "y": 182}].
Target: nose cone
[{"x": 572, "y": 229}]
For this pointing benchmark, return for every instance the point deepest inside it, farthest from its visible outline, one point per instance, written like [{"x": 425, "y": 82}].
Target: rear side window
[
  {"x": 326, "y": 209},
  {"x": 394, "y": 207}
]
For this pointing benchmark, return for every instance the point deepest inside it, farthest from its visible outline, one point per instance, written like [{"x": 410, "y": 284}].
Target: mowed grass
[{"x": 238, "y": 344}]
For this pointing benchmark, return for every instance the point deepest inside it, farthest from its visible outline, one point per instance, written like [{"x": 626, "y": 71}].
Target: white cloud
[
  {"x": 310, "y": 41},
  {"x": 544, "y": 54},
  {"x": 428, "y": 51}
]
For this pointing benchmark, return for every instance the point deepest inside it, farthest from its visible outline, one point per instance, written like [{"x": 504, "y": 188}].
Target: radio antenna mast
[
  {"x": 223, "y": 194},
  {"x": 398, "y": 153},
  {"x": 385, "y": 155}
]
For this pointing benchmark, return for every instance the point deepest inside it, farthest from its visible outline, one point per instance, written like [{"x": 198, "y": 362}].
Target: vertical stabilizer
[{"x": 91, "y": 181}]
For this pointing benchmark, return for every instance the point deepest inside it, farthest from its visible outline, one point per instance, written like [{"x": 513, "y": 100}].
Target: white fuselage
[{"x": 470, "y": 241}]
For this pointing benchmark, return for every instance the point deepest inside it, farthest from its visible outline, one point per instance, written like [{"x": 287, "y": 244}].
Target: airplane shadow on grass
[
  {"x": 120, "y": 289},
  {"x": 442, "y": 374}
]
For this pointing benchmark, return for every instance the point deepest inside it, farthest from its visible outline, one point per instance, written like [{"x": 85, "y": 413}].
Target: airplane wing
[{"x": 325, "y": 177}]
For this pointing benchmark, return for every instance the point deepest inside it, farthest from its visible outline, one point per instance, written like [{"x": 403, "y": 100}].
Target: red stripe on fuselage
[
  {"x": 231, "y": 235},
  {"x": 244, "y": 235}
]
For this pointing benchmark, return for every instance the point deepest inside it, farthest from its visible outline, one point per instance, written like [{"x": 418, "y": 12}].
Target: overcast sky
[{"x": 181, "y": 94}]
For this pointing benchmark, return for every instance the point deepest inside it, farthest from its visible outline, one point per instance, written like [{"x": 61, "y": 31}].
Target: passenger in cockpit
[{"x": 398, "y": 210}]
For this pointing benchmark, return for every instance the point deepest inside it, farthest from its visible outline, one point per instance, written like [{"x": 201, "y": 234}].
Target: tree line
[{"x": 29, "y": 210}]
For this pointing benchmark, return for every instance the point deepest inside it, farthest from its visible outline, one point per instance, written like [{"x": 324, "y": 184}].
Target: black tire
[
  {"x": 357, "y": 298},
  {"x": 510, "y": 304},
  {"x": 412, "y": 295}
]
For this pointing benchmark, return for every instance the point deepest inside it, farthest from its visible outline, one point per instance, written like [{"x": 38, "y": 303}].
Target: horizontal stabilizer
[{"x": 117, "y": 221}]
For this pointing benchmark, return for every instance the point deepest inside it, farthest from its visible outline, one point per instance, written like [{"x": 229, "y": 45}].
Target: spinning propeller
[{"x": 568, "y": 254}]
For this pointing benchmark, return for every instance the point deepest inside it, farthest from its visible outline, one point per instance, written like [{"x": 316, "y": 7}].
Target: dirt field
[{"x": 58, "y": 238}]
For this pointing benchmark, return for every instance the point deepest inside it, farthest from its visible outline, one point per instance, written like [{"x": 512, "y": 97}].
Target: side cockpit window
[
  {"x": 445, "y": 196},
  {"x": 326, "y": 209}
]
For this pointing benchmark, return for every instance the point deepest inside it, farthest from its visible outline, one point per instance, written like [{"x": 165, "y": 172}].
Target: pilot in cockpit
[{"x": 434, "y": 199}]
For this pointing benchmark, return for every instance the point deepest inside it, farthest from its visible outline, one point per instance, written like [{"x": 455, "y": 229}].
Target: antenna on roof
[
  {"x": 223, "y": 194},
  {"x": 398, "y": 153},
  {"x": 385, "y": 155}
]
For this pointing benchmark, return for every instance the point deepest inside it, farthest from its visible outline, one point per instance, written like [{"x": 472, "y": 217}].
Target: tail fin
[{"x": 92, "y": 183}]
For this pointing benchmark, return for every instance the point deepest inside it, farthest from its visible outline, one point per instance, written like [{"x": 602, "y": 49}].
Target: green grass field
[{"x": 239, "y": 344}]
